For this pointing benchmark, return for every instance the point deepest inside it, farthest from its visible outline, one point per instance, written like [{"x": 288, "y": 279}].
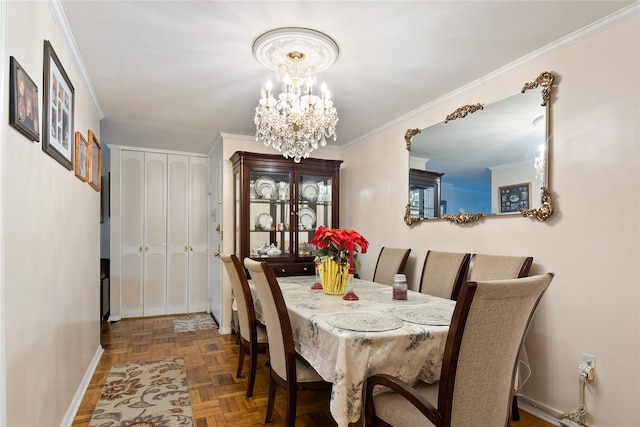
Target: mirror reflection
[{"x": 482, "y": 160}]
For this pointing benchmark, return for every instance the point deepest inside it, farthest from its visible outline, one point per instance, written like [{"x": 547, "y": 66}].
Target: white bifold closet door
[
  {"x": 144, "y": 225},
  {"x": 164, "y": 233},
  {"x": 155, "y": 233},
  {"x": 187, "y": 234},
  {"x": 198, "y": 232}
]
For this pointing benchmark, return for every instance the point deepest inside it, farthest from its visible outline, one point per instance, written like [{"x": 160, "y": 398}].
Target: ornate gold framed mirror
[{"x": 484, "y": 160}]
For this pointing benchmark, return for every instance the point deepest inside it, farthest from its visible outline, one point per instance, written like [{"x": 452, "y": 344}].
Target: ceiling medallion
[{"x": 297, "y": 121}]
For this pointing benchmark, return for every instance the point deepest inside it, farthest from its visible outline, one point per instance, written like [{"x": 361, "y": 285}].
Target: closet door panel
[
  {"x": 178, "y": 234},
  {"x": 132, "y": 238},
  {"x": 155, "y": 227},
  {"x": 198, "y": 233}
]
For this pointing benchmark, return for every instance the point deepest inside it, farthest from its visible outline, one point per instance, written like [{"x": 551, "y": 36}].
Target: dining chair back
[
  {"x": 443, "y": 273},
  {"x": 497, "y": 267},
  {"x": 288, "y": 370},
  {"x": 253, "y": 336},
  {"x": 489, "y": 323},
  {"x": 391, "y": 261}
]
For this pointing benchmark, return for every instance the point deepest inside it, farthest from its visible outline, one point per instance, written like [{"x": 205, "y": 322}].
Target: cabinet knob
[
  {"x": 140, "y": 249},
  {"x": 191, "y": 248},
  {"x": 185, "y": 248},
  {"x": 146, "y": 249},
  {"x": 283, "y": 270},
  {"x": 305, "y": 269}
]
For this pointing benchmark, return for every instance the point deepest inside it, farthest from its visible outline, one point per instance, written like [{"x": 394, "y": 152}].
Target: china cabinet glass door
[{"x": 270, "y": 215}]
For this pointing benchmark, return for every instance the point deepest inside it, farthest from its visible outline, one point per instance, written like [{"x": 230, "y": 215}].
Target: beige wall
[
  {"x": 592, "y": 242},
  {"x": 52, "y": 233}
]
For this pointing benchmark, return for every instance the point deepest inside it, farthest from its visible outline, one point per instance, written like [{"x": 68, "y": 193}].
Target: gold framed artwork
[
  {"x": 95, "y": 162},
  {"x": 81, "y": 161}
]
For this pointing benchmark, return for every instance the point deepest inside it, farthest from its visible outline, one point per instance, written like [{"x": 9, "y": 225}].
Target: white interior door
[
  {"x": 155, "y": 231},
  {"x": 132, "y": 237},
  {"x": 178, "y": 234},
  {"x": 198, "y": 233}
]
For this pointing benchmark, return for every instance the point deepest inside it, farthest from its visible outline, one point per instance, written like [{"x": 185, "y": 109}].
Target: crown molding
[
  {"x": 63, "y": 26},
  {"x": 575, "y": 37}
]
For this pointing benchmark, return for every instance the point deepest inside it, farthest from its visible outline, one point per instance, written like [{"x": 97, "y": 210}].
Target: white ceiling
[{"x": 176, "y": 74}]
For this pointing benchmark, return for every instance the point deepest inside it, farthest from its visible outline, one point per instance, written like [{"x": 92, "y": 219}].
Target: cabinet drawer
[{"x": 298, "y": 269}]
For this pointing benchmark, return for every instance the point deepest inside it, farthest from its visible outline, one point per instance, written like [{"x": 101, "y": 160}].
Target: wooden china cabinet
[
  {"x": 424, "y": 193},
  {"x": 278, "y": 206}
]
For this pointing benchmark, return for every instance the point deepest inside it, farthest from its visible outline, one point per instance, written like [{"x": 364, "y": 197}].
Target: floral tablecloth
[{"x": 347, "y": 357}]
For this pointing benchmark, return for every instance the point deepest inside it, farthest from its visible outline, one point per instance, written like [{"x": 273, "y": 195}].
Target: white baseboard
[
  {"x": 114, "y": 318},
  {"x": 82, "y": 389},
  {"x": 538, "y": 410},
  {"x": 224, "y": 331}
]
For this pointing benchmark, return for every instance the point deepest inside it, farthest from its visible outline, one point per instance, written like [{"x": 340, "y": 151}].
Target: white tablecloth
[{"x": 346, "y": 357}]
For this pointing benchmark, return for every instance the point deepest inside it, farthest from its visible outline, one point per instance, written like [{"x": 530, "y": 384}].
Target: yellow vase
[{"x": 334, "y": 277}]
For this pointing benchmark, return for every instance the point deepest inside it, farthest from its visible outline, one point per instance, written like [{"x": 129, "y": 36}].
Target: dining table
[{"x": 348, "y": 341}]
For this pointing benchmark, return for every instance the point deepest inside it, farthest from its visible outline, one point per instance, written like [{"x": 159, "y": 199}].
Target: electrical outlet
[
  {"x": 588, "y": 366},
  {"x": 589, "y": 359}
]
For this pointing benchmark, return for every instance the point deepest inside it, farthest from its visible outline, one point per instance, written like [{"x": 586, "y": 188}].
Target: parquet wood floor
[{"x": 217, "y": 396}]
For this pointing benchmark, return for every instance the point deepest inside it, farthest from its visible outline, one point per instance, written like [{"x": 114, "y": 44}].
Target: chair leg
[
  {"x": 252, "y": 371},
  {"x": 515, "y": 413},
  {"x": 241, "y": 351},
  {"x": 292, "y": 397},
  {"x": 271, "y": 401}
]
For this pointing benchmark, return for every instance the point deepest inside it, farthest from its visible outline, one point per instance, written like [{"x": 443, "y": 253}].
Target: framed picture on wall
[
  {"x": 514, "y": 197},
  {"x": 81, "y": 159},
  {"x": 57, "y": 105},
  {"x": 95, "y": 161},
  {"x": 23, "y": 102}
]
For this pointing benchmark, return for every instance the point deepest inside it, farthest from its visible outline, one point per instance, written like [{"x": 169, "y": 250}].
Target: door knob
[{"x": 216, "y": 254}]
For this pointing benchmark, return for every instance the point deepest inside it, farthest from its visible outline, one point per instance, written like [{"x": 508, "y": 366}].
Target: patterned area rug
[
  {"x": 193, "y": 323},
  {"x": 150, "y": 394}
]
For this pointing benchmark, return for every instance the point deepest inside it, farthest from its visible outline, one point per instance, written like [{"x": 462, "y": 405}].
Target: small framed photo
[
  {"x": 23, "y": 102},
  {"x": 515, "y": 197},
  {"x": 81, "y": 164},
  {"x": 57, "y": 104},
  {"x": 95, "y": 162}
]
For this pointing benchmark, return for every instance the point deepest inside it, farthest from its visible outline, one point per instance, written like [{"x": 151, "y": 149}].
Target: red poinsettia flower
[{"x": 338, "y": 244}]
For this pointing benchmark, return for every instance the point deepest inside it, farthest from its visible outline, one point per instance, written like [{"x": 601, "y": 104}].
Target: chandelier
[{"x": 297, "y": 121}]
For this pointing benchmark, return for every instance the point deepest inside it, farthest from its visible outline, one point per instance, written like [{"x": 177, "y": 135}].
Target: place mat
[
  {"x": 145, "y": 394},
  {"x": 413, "y": 298},
  {"x": 427, "y": 314},
  {"x": 364, "y": 321}
]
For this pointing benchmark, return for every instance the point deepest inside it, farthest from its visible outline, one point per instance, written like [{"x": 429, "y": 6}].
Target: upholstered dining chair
[
  {"x": 253, "y": 335},
  {"x": 489, "y": 323},
  {"x": 288, "y": 370},
  {"x": 390, "y": 261},
  {"x": 496, "y": 267},
  {"x": 443, "y": 273}
]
